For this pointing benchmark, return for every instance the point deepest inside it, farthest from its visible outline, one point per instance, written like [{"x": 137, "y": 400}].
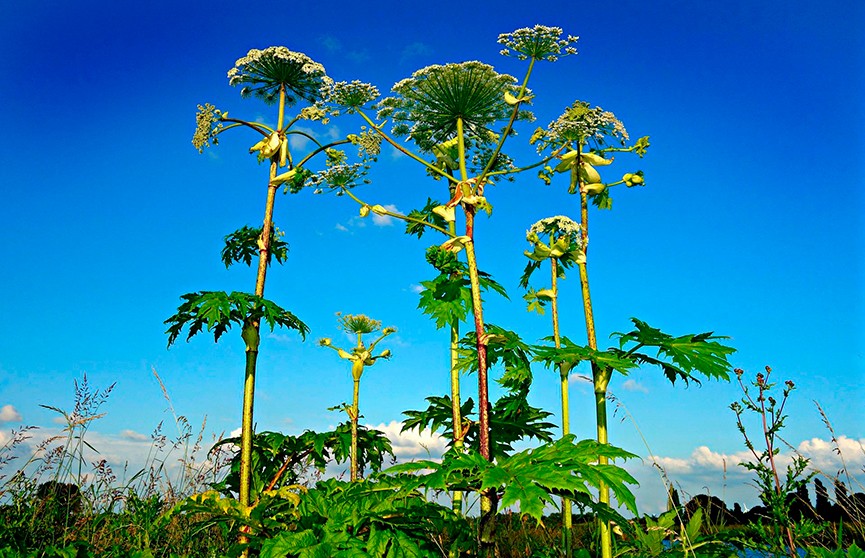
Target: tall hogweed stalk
[
  {"x": 461, "y": 114},
  {"x": 360, "y": 356},
  {"x": 557, "y": 240},
  {"x": 584, "y": 138},
  {"x": 281, "y": 78}
]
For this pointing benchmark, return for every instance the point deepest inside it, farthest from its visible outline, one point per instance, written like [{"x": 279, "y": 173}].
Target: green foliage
[
  {"x": 661, "y": 538},
  {"x": 570, "y": 355},
  {"x": 504, "y": 347},
  {"x": 243, "y": 244},
  {"x": 217, "y": 311},
  {"x": 678, "y": 357},
  {"x": 416, "y": 219},
  {"x": 531, "y": 477},
  {"x": 280, "y": 460},
  {"x": 818, "y": 552},
  {"x": 512, "y": 419},
  {"x": 380, "y": 519},
  {"x": 780, "y": 536},
  {"x": 447, "y": 299},
  {"x": 688, "y": 353}
]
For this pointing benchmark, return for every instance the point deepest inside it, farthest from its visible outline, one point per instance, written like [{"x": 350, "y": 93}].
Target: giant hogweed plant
[
  {"x": 360, "y": 356},
  {"x": 280, "y": 78},
  {"x": 586, "y": 137},
  {"x": 557, "y": 240},
  {"x": 461, "y": 115}
]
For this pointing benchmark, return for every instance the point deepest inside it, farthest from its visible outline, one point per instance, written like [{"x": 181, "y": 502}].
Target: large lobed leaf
[
  {"x": 532, "y": 477},
  {"x": 217, "y": 311},
  {"x": 689, "y": 353}
]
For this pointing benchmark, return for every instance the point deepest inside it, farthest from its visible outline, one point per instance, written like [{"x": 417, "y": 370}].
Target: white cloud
[
  {"x": 633, "y": 385},
  {"x": 359, "y": 56},
  {"x": 415, "y": 49},
  {"x": 299, "y": 142},
  {"x": 709, "y": 471},
  {"x": 827, "y": 456},
  {"x": 133, "y": 435},
  {"x": 8, "y": 413},
  {"x": 395, "y": 153},
  {"x": 413, "y": 443},
  {"x": 330, "y": 42},
  {"x": 341, "y": 227},
  {"x": 384, "y": 220},
  {"x": 574, "y": 378},
  {"x": 417, "y": 289}
]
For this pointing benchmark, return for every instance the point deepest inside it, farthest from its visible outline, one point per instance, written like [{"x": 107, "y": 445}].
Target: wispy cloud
[
  {"x": 299, "y": 142},
  {"x": 133, "y": 435},
  {"x": 576, "y": 378},
  {"x": 394, "y": 153},
  {"x": 633, "y": 385},
  {"x": 330, "y": 42},
  {"x": 417, "y": 289},
  {"x": 384, "y": 220},
  {"x": 415, "y": 50},
  {"x": 8, "y": 413},
  {"x": 359, "y": 56}
]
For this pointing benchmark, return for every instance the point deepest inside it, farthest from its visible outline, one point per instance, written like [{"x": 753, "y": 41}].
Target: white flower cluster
[
  {"x": 368, "y": 143},
  {"x": 314, "y": 113},
  {"x": 207, "y": 127},
  {"x": 539, "y": 43},
  {"x": 349, "y": 95},
  {"x": 435, "y": 70},
  {"x": 338, "y": 176},
  {"x": 557, "y": 226},
  {"x": 279, "y": 54},
  {"x": 427, "y": 105},
  {"x": 579, "y": 122}
]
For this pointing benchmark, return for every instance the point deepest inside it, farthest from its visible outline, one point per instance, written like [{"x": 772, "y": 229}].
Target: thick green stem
[
  {"x": 567, "y": 518},
  {"x": 252, "y": 352},
  {"x": 456, "y": 402},
  {"x": 457, "y": 496},
  {"x": 355, "y": 474},
  {"x": 246, "y": 425},
  {"x": 600, "y": 376}
]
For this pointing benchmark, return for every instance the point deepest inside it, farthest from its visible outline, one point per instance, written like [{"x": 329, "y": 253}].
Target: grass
[{"x": 57, "y": 500}]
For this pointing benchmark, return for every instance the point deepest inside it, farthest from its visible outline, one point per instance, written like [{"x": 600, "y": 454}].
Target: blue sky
[{"x": 750, "y": 224}]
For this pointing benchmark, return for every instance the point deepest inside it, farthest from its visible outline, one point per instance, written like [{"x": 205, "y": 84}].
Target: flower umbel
[
  {"x": 264, "y": 72},
  {"x": 428, "y": 105},
  {"x": 564, "y": 239},
  {"x": 538, "y": 43},
  {"x": 207, "y": 127},
  {"x": 358, "y": 323},
  {"x": 557, "y": 227},
  {"x": 349, "y": 96},
  {"x": 581, "y": 123}
]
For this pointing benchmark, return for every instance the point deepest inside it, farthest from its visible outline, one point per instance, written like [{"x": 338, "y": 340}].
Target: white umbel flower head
[{"x": 263, "y": 73}]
